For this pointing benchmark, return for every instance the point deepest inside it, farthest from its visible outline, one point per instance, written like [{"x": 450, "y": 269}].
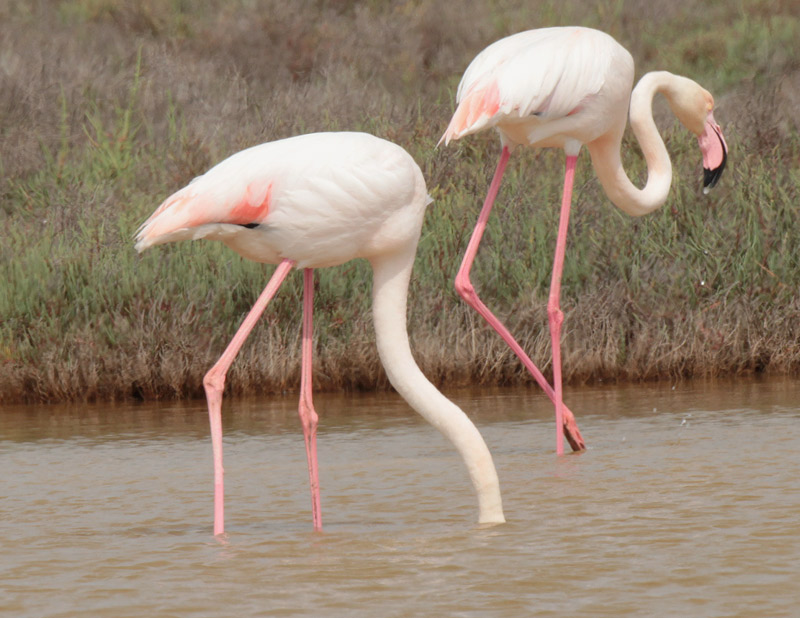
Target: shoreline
[{"x": 108, "y": 108}]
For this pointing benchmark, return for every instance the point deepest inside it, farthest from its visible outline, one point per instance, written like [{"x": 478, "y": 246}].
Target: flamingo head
[{"x": 693, "y": 105}]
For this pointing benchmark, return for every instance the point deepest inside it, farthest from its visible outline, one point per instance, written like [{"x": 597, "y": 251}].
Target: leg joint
[
  {"x": 464, "y": 287},
  {"x": 554, "y": 314},
  {"x": 214, "y": 381}
]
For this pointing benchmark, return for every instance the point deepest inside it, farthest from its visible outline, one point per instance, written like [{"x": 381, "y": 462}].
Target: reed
[{"x": 108, "y": 106}]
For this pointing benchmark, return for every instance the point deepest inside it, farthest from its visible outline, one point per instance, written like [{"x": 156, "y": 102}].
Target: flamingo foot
[{"x": 571, "y": 431}]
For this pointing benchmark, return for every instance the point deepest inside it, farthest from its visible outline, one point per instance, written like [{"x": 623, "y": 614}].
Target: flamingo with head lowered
[
  {"x": 564, "y": 88},
  {"x": 312, "y": 201}
]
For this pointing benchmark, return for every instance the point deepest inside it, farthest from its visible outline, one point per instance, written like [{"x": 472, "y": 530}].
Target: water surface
[{"x": 686, "y": 502}]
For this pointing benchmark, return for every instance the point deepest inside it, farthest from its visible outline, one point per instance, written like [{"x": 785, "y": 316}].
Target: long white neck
[
  {"x": 390, "y": 293},
  {"x": 605, "y": 152}
]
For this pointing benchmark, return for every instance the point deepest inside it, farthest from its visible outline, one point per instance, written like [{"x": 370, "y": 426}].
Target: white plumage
[
  {"x": 320, "y": 200},
  {"x": 523, "y": 83},
  {"x": 563, "y": 88}
]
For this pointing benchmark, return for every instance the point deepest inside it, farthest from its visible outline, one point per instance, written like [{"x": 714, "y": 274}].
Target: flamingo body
[
  {"x": 312, "y": 201},
  {"x": 527, "y": 84},
  {"x": 319, "y": 200}
]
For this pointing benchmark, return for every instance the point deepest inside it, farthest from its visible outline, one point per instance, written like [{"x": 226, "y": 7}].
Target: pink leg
[
  {"x": 554, "y": 313},
  {"x": 214, "y": 383},
  {"x": 308, "y": 416},
  {"x": 467, "y": 291}
]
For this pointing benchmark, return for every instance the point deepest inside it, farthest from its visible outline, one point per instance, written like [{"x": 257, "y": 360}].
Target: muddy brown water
[{"x": 687, "y": 502}]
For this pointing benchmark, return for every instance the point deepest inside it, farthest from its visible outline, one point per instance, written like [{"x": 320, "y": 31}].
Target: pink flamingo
[
  {"x": 312, "y": 201},
  {"x": 565, "y": 87}
]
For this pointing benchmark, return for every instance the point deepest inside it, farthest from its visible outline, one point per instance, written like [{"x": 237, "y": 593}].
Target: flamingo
[
  {"x": 308, "y": 202},
  {"x": 563, "y": 88}
]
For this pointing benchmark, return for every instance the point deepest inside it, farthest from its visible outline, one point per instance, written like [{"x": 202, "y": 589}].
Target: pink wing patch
[
  {"x": 188, "y": 209},
  {"x": 476, "y": 105},
  {"x": 174, "y": 213},
  {"x": 254, "y": 207}
]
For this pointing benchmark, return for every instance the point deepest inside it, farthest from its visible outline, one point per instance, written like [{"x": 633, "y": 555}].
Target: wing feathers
[
  {"x": 547, "y": 73},
  {"x": 192, "y": 207},
  {"x": 476, "y": 109}
]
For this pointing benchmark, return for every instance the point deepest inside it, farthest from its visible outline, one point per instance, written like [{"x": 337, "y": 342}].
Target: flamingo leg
[
  {"x": 554, "y": 313},
  {"x": 467, "y": 291},
  {"x": 214, "y": 384},
  {"x": 308, "y": 416}
]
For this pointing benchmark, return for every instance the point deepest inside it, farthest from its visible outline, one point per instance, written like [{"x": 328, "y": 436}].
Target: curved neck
[
  {"x": 605, "y": 153},
  {"x": 390, "y": 291}
]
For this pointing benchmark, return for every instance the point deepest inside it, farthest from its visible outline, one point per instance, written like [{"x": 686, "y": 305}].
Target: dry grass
[{"x": 106, "y": 106}]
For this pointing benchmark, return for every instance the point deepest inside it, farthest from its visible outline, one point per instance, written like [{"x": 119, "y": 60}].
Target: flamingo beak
[{"x": 715, "y": 153}]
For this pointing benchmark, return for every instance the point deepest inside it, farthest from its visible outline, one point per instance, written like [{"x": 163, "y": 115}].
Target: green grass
[{"x": 108, "y": 106}]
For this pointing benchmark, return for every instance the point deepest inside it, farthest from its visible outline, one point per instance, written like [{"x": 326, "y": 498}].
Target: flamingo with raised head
[
  {"x": 312, "y": 201},
  {"x": 563, "y": 88}
]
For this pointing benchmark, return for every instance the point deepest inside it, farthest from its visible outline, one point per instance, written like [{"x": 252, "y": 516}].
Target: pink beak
[{"x": 715, "y": 153}]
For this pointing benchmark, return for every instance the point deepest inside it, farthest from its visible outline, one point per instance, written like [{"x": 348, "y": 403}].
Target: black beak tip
[{"x": 711, "y": 177}]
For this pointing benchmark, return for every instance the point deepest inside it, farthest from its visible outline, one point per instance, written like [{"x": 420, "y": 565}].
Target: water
[{"x": 687, "y": 502}]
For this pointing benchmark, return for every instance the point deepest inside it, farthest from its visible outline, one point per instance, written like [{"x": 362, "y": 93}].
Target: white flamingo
[
  {"x": 565, "y": 87},
  {"x": 312, "y": 201}
]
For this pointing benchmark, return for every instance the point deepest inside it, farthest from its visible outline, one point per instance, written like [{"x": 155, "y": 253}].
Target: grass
[{"x": 108, "y": 106}]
